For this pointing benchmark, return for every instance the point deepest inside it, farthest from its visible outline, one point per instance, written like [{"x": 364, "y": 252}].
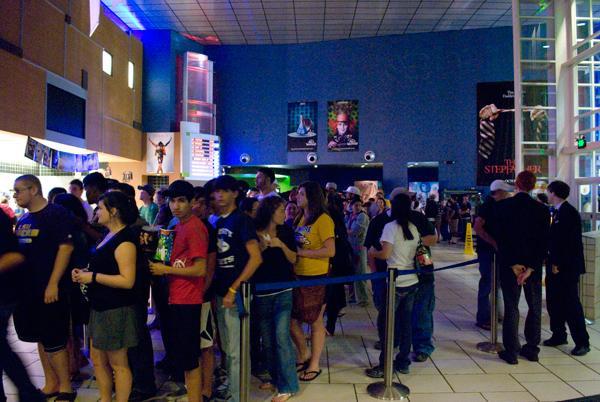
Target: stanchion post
[
  {"x": 245, "y": 345},
  {"x": 493, "y": 346},
  {"x": 389, "y": 390}
]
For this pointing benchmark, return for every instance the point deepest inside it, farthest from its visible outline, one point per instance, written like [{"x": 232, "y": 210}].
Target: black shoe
[
  {"x": 402, "y": 369},
  {"x": 420, "y": 357},
  {"x": 580, "y": 350},
  {"x": 507, "y": 357},
  {"x": 529, "y": 355},
  {"x": 552, "y": 341},
  {"x": 484, "y": 326},
  {"x": 137, "y": 396},
  {"x": 374, "y": 372},
  {"x": 377, "y": 345}
]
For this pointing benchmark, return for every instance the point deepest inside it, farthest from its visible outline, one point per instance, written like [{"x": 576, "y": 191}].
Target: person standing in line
[
  {"x": 110, "y": 279},
  {"x": 149, "y": 210},
  {"x": 42, "y": 316},
  {"x": 523, "y": 226},
  {"x": 357, "y": 224},
  {"x": 486, "y": 249},
  {"x": 265, "y": 182},
  {"x": 565, "y": 265},
  {"x": 76, "y": 188},
  {"x": 164, "y": 215},
  {"x": 10, "y": 363},
  {"x": 238, "y": 257},
  {"x": 315, "y": 236},
  {"x": 186, "y": 285},
  {"x": 274, "y": 307}
]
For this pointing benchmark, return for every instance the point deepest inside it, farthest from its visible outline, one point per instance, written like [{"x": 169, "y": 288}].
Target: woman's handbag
[{"x": 423, "y": 260}]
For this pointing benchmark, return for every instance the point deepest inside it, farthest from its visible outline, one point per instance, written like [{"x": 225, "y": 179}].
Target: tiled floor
[{"x": 457, "y": 371}]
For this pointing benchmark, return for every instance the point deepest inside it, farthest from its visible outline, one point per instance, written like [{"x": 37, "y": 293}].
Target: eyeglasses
[{"x": 20, "y": 190}]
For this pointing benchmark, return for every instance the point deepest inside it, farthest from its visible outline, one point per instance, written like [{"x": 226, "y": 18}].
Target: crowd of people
[{"x": 66, "y": 264}]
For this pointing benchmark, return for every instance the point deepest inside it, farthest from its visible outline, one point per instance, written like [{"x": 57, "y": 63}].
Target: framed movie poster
[
  {"x": 302, "y": 127},
  {"x": 160, "y": 150},
  {"x": 342, "y": 126}
]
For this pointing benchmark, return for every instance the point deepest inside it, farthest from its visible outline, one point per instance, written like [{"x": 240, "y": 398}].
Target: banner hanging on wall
[
  {"x": 495, "y": 132},
  {"x": 302, "y": 127},
  {"x": 60, "y": 160},
  {"x": 160, "y": 153},
  {"x": 342, "y": 126}
]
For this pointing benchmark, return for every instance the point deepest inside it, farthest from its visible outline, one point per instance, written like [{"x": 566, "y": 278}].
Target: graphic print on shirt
[
  {"x": 302, "y": 233},
  {"x": 25, "y": 233},
  {"x": 224, "y": 238}
]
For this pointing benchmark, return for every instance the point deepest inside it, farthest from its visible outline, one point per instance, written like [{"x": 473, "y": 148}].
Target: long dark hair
[
  {"x": 316, "y": 201},
  {"x": 125, "y": 206},
  {"x": 400, "y": 213},
  {"x": 265, "y": 211},
  {"x": 73, "y": 204}
]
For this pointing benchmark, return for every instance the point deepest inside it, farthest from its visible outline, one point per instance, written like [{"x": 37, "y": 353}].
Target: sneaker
[
  {"x": 402, "y": 369},
  {"x": 552, "y": 341},
  {"x": 375, "y": 372},
  {"x": 580, "y": 350},
  {"x": 420, "y": 357}
]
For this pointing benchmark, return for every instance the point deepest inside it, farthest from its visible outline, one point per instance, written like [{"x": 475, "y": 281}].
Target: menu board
[{"x": 200, "y": 156}]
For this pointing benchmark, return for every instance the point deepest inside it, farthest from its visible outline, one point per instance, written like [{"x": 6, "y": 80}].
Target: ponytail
[{"x": 400, "y": 213}]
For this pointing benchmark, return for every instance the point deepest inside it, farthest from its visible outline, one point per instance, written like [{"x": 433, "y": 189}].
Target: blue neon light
[{"x": 125, "y": 14}]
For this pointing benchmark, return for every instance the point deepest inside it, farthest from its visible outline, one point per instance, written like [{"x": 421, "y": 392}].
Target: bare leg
[
  {"x": 299, "y": 340},
  {"x": 103, "y": 373},
  {"x": 120, "y": 366},
  {"x": 208, "y": 367},
  {"x": 51, "y": 378},
  {"x": 59, "y": 364},
  {"x": 317, "y": 342},
  {"x": 193, "y": 383}
]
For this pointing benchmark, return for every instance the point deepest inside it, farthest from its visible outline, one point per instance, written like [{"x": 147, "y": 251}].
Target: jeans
[
  {"x": 11, "y": 364},
  {"x": 486, "y": 260},
  {"x": 228, "y": 322},
  {"x": 405, "y": 298},
  {"x": 361, "y": 288},
  {"x": 562, "y": 302},
  {"x": 141, "y": 357},
  {"x": 273, "y": 315},
  {"x": 422, "y": 317},
  {"x": 510, "y": 327}
]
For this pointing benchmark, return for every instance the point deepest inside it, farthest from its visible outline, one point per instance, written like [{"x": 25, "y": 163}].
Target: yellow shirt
[{"x": 313, "y": 237}]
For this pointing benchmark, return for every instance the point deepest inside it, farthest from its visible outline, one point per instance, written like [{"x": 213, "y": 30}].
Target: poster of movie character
[
  {"x": 47, "y": 157},
  {"x": 160, "y": 150},
  {"x": 30, "y": 148},
  {"x": 302, "y": 127},
  {"x": 342, "y": 126},
  {"x": 424, "y": 189},
  {"x": 495, "y": 132}
]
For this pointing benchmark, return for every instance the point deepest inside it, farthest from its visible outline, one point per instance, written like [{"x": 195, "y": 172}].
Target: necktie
[{"x": 487, "y": 138}]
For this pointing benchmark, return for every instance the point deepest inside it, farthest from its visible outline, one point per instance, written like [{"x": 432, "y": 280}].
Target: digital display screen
[{"x": 65, "y": 112}]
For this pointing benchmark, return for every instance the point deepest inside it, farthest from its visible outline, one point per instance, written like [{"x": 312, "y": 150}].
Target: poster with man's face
[
  {"x": 342, "y": 126},
  {"x": 160, "y": 152}
]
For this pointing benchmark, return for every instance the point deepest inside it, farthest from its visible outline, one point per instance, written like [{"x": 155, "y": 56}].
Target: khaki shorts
[{"x": 207, "y": 326}]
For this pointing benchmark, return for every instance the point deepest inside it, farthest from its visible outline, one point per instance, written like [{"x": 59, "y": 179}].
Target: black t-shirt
[
  {"x": 209, "y": 293},
  {"x": 275, "y": 266},
  {"x": 486, "y": 212},
  {"x": 233, "y": 232},
  {"x": 103, "y": 262},
  {"x": 377, "y": 224},
  {"x": 40, "y": 234},
  {"x": 9, "y": 281}
]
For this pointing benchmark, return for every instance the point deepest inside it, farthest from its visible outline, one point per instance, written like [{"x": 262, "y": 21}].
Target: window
[
  {"x": 106, "y": 62},
  {"x": 130, "y": 75}
]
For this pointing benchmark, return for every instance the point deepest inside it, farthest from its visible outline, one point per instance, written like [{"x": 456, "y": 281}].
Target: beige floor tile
[
  {"x": 458, "y": 366},
  {"x": 492, "y": 364},
  {"x": 574, "y": 372},
  {"x": 592, "y": 357},
  {"x": 535, "y": 377},
  {"x": 448, "y": 350},
  {"x": 508, "y": 396},
  {"x": 551, "y": 352},
  {"x": 586, "y": 387},
  {"x": 483, "y": 383},
  {"x": 445, "y": 397},
  {"x": 551, "y": 391},
  {"x": 325, "y": 393},
  {"x": 594, "y": 366},
  {"x": 557, "y": 360},
  {"x": 425, "y": 383},
  {"x": 346, "y": 375}
]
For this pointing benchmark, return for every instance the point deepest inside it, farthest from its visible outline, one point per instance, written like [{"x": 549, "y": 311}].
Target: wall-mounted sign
[
  {"x": 200, "y": 153},
  {"x": 342, "y": 126},
  {"x": 160, "y": 153},
  {"x": 302, "y": 127}
]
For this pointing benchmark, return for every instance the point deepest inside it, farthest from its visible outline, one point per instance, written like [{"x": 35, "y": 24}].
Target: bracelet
[
  {"x": 232, "y": 290},
  {"x": 94, "y": 277}
]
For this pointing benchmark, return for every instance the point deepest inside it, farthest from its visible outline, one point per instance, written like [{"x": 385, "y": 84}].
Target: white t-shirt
[
  {"x": 403, "y": 251},
  {"x": 88, "y": 210}
]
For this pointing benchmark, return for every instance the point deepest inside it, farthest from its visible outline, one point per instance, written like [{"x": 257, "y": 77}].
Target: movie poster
[
  {"x": 495, "y": 132},
  {"x": 425, "y": 189},
  {"x": 342, "y": 126},
  {"x": 64, "y": 161},
  {"x": 302, "y": 127},
  {"x": 160, "y": 153}
]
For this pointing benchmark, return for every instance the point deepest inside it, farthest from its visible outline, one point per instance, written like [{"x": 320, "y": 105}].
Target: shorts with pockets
[{"x": 185, "y": 319}]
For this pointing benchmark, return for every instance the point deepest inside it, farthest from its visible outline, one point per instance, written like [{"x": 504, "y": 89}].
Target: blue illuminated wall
[{"x": 416, "y": 97}]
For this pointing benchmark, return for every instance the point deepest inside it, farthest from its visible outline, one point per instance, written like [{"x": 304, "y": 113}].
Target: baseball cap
[
  {"x": 400, "y": 190},
  {"x": 352, "y": 190},
  {"x": 180, "y": 188},
  {"x": 330, "y": 185},
  {"x": 148, "y": 188},
  {"x": 501, "y": 185}
]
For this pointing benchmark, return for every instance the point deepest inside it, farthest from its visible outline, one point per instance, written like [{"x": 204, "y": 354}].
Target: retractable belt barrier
[{"x": 388, "y": 389}]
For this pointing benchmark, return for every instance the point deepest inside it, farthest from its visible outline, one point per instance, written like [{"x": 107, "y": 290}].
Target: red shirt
[{"x": 191, "y": 242}]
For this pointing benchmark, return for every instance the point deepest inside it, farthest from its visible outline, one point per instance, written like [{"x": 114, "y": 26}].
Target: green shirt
[{"x": 149, "y": 213}]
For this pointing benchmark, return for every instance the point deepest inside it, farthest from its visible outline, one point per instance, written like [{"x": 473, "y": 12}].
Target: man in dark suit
[
  {"x": 565, "y": 265},
  {"x": 522, "y": 237}
]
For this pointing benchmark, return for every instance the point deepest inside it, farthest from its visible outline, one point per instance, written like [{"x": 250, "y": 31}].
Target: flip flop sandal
[
  {"x": 48, "y": 396},
  {"x": 282, "y": 397},
  {"x": 300, "y": 367},
  {"x": 66, "y": 396},
  {"x": 312, "y": 375}
]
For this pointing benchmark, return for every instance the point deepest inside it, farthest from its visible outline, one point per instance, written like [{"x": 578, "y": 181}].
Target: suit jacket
[
  {"x": 566, "y": 246},
  {"x": 522, "y": 230}
]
